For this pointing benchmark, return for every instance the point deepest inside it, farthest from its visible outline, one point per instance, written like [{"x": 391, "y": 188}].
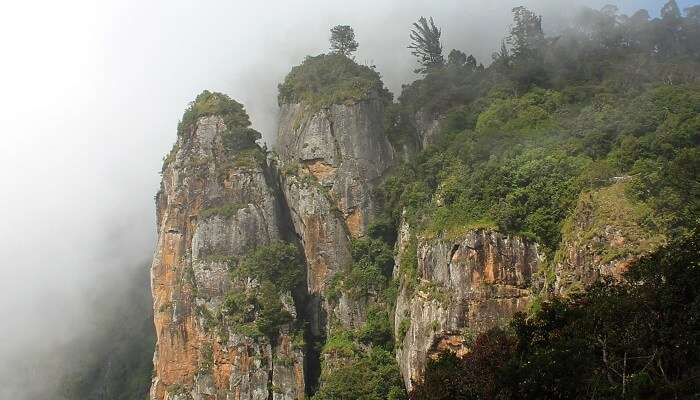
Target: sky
[{"x": 91, "y": 95}]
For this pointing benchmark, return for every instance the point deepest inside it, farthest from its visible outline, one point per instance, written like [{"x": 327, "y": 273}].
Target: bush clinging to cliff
[
  {"x": 214, "y": 103},
  {"x": 328, "y": 79}
]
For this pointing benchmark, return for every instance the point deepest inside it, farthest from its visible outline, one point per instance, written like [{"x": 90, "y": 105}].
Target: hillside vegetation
[
  {"x": 604, "y": 119},
  {"x": 568, "y": 139}
]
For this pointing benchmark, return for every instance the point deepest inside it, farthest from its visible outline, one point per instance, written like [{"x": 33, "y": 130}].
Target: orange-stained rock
[
  {"x": 212, "y": 208},
  {"x": 355, "y": 223},
  {"x": 319, "y": 169}
]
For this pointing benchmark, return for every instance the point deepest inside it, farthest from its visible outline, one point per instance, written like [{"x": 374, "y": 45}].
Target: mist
[{"x": 92, "y": 93}]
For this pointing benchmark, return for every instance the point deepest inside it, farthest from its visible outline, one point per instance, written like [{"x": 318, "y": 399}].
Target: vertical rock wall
[
  {"x": 461, "y": 288},
  {"x": 214, "y": 207},
  {"x": 332, "y": 160}
]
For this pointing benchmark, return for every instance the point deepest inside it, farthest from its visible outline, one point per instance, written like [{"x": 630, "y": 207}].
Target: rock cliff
[
  {"x": 214, "y": 207},
  {"x": 217, "y": 205},
  {"x": 452, "y": 290},
  {"x": 332, "y": 159}
]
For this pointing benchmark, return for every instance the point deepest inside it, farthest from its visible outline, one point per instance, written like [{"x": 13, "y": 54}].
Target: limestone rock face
[
  {"x": 463, "y": 287},
  {"x": 344, "y": 149},
  {"x": 214, "y": 207},
  {"x": 332, "y": 160}
]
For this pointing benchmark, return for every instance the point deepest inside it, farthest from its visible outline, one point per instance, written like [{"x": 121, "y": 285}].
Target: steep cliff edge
[
  {"x": 333, "y": 159},
  {"x": 452, "y": 290},
  {"x": 217, "y": 203},
  {"x": 333, "y": 152}
]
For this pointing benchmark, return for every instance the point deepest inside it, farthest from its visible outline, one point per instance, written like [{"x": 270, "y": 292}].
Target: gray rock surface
[
  {"x": 214, "y": 208},
  {"x": 344, "y": 148},
  {"x": 331, "y": 161},
  {"x": 464, "y": 287}
]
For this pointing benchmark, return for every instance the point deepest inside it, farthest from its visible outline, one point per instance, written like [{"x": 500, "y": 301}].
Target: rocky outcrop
[
  {"x": 343, "y": 148},
  {"x": 332, "y": 159},
  {"x": 606, "y": 233},
  {"x": 214, "y": 207},
  {"x": 427, "y": 127},
  {"x": 452, "y": 290}
]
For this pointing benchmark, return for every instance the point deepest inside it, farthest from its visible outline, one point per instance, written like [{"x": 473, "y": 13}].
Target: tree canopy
[
  {"x": 425, "y": 44},
  {"x": 343, "y": 40}
]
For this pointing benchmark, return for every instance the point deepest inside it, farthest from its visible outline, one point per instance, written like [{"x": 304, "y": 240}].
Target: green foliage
[
  {"x": 441, "y": 89},
  {"x": 213, "y": 103},
  {"x": 343, "y": 40},
  {"x": 238, "y": 135},
  {"x": 226, "y": 211},
  {"x": 373, "y": 376},
  {"x": 636, "y": 338},
  {"x": 277, "y": 262},
  {"x": 531, "y": 112},
  {"x": 404, "y": 326},
  {"x": 408, "y": 269},
  {"x": 372, "y": 266},
  {"x": 375, "y": 252},
  {"x": 611, "y": 206},
  {"x": 238, "y": 306},
  {"x": 363, "y": 280},
  {"x": 240, "y": 138},
  {"x": 365, "y": 352},
  {"x": 298, "y": 341},
  {"x": 341, "y": 344},
  {"x": 516, "y": 157},
  {"x": 523, "y": 164},
  {"x": 377, "y": 329},
  {"x": 271, "y": 314},
  {"x": 328, "y": 79},
  {"x": 258, "y": 310},
  {"x": 526, "y": 36},
  {"x": 425, "y": 45},
  {"x": 250, "y": 159}
]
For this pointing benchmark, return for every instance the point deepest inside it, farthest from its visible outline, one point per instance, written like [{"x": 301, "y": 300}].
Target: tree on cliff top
[
  {"x": 343, "y": 40},
  {"x": 526, "y": 35},
  {"x": 425, "y": 44}
]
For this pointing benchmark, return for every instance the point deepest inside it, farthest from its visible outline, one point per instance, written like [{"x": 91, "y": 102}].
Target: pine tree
[{"x": 425, "y": 44}]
